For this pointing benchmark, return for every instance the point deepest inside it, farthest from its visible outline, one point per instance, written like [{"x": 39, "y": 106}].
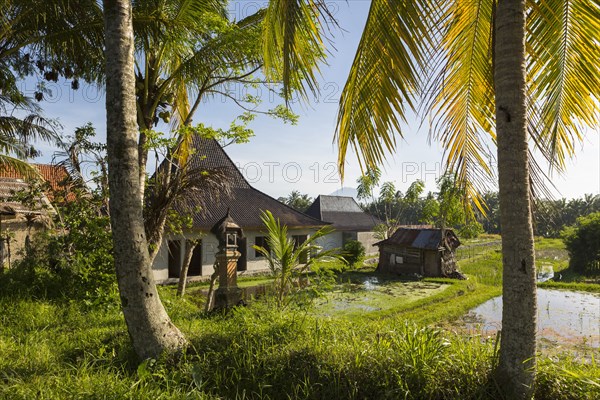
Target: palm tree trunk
[
  {"x": 516, "y": 369},
  {"x": 150, "y": 328}
]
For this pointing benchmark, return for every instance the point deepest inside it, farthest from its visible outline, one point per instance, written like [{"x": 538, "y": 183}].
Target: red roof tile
[{"x": 57, "y": 177}]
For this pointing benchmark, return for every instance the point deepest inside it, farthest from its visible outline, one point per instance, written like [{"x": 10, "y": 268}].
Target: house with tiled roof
[
  {"x": 21, "y": 217},
  {"x": 347, "y": 218},
  {"x": 245, "y": 204},
  {"x": 56, "y": 177}
]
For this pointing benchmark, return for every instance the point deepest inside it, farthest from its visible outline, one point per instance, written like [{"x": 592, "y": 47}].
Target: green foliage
[
  {"x": 447, "y": 209},
  {"x": 392, "y": 207},
  {"x": 71, "y": 261},
  {"x": 256, "y": 352},
  {"x": 297, "y": 201},
  {"x": 550, "y": 216},
  {"x": 470, "y": 230},
  {"x": 354, "y": 253},
  {"x": 367, "y": 183},
  {"x": 288, "y": 260},
  {"x": 583, "y": 243}
]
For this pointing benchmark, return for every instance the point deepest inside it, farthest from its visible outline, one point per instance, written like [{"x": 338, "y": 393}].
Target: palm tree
[
  {"x": 185, "y": 51},
  {"x": 44, "y": 35},
  {"x": 297, "y": 201},
  {"x": 288, "y": 260},
  {"x": 150, "y": 328},
  {"x": 489, "y": 72}
]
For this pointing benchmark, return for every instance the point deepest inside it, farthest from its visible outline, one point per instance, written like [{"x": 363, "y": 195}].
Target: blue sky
[{"x": 282, "y": 158}]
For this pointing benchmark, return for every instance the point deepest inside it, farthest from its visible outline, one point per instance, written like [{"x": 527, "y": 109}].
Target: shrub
[
  {"x": 470, "y": 230},
  {"x": 287, "y": 259},
  {"x": 354, "y": 252},
  {"x": 72, "y": 262},
  {"x": 583, "y": 244}
]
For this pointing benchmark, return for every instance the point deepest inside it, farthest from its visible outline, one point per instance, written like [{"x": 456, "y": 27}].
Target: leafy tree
[
  {"x": 491, "y": 219},
  {"x": 398, "y": 208},
  {"x": 286, "y": 257},
  {"x": 72, "y": 258},
  {"x": 192, "y": 47},
  {"x": 583, "y": 243},
  {"x": 37, "y": 210},
  {"x": 38, "y": 36},
  {"x": 498, "y": 72},
  {"x": 446, "y": 209},
  {"x": 550, "y": 216},
  {"x": 367, "y": 183},
  {"x": 291, "y": 44},
  {"x": 297, "y": 201},
  {"x": 175, "y": 180}
]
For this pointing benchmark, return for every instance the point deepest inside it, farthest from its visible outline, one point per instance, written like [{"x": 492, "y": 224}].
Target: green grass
[
  {"x": 59, "y": 351},
  {"x": 67, "y": 350}
]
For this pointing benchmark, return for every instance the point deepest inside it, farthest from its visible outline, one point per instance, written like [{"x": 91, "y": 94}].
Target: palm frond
[
  {"x": 30, "y": 128},
  {"x": 176, "y": 185},
  {"x": 461, "y": 99},
  {"x": 564, "y": 73},
  {"x": 385, "y": 79},
  {"x": 293, "y": 43}
]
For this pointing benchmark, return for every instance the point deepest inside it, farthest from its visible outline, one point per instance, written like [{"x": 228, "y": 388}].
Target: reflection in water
[
  {"x": 563, "y": 316},
  {"x": 545, "y": 273},
  {"x": 371, "y": 283}
]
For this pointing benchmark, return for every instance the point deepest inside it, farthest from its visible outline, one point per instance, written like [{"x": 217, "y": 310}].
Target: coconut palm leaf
[
  {"x": 284, "y": 255},
  {"x": 385, "y": 78},
  {"x": 293, "y": 43},
  {"x": 8, "y": 163},
  {"x": 564, "y": 73},
  {"x": 461, "y": 97},
  {"x": 58, "y": 33}
]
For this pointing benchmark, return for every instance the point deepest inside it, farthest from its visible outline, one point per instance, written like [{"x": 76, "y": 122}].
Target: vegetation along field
[{"x": 351, "y": 334}]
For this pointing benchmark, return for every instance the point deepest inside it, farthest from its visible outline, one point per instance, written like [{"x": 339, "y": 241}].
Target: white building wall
[
  {"x": 209, "y": 251},
  {"x": 331, "y": 241},
  {"x": 339, "y": 238},
  {"x": 160, "y": 266},
  {"x": 368, "y": 239}
]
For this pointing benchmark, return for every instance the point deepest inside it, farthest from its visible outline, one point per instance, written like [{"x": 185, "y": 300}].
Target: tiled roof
[
  {"x": 429, "y": 238},
  {"x": 343, "y": 213},
  {"x": 244, "y": 201},
  {"x": 57, "y": 177},
  {"x": 8, "y": 188}
]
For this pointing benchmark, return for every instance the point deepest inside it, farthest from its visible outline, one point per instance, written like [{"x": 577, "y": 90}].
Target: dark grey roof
[
  {"x": 245, "y": 202},
  {"x": 343, "y": 213},
  {"x": 429, "y": 238}
]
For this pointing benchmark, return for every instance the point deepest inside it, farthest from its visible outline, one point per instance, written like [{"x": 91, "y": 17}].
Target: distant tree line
[
  {"x": 444, "y": 207},
  {"x": 550, "y": 217},
  {"x": 297, "y": 201}
]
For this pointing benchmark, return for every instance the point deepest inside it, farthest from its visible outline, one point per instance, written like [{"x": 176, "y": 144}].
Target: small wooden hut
[{"x": 422, "y": 251}]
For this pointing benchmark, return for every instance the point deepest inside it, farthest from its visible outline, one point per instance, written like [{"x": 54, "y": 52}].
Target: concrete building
[
  {"x": 245, "y": 205},
  {"x": 347, "y": 218}
]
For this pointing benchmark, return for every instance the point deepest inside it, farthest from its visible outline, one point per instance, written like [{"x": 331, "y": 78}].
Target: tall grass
[{"x": 66, "y": 351}]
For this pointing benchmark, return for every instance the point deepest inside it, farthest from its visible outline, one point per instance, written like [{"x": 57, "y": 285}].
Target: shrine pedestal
[{"x": 228, "y": 294}]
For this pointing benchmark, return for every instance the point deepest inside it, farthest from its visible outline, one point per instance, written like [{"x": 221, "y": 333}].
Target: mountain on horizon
[{"x": 346, "y": 191}]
